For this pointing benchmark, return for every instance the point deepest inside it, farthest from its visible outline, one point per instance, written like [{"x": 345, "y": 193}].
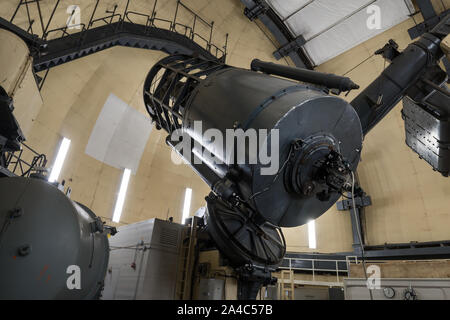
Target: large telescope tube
[{"x": 316, "y": 131}]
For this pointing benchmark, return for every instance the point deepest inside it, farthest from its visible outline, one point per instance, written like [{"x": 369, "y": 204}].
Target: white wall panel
[{"x": 120, "y": 135}]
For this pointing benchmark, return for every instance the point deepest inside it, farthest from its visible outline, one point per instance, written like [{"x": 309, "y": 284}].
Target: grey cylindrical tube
[
  {"x": 48, "y": 244},
  {"x": 328, "y": 80}
]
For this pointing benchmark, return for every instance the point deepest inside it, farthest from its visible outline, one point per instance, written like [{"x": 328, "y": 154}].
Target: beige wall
[
  {"x": 16, "y": 77},
  {"x": 436, "y": 269},
  {"x": 410, "y": 200}
]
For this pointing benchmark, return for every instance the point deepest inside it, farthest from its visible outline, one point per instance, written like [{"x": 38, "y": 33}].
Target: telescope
[{"x": 226, "y": 122}]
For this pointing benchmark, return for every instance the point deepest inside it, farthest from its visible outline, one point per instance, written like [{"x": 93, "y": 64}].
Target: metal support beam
[
  {"x": 278, "y": 29},
  {"x": 413, "y": 250},
  {"x": 355, "y": 216},
  {"x": 289, "y": 48},
  {"x": 426, "y": 7},
  {"x": 404, "y": 251},
  {"x": 430, "y": 17},
  {"x": 256, "y": 11}
]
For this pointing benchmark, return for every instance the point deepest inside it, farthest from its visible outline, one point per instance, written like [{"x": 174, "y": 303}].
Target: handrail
[
  {"x": 15, "y": 163},
  {"x": 150, "y": 22},
  {"x": 314, "y": 269},
  {"x": 111, "y": 17},
  {"x": 138, "y": 14},
  {"x": 337, "y": 269},
  {"x": 204, "y": 41},
  {"x": 64, "y": 31},
  {"x": 186, "y": 28},
  {"x": 195, "y": 14}
]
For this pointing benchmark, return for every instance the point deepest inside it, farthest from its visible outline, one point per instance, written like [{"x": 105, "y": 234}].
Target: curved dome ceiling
[{"x": 332, "y": 27}]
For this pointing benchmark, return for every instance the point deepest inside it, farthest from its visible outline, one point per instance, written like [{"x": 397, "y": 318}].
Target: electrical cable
[
  {"x": 276, "y": 176},
  {"x": 380, "y": 95},
  {"x": 359, "y": 64},
  {"x": 139, "y": 246},
  {"x": 359, "y": 234}
]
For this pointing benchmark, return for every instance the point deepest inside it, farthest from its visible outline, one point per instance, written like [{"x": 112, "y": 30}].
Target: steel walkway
[{"x": 115, "y": 30}]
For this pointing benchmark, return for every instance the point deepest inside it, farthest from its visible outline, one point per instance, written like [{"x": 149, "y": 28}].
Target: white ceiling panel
[
  {"x": 332, "y": 27},
  {"x": 354, "y": 31},
  {"x": 285, "y": 8},
  {"x": 321, "y": 14}
]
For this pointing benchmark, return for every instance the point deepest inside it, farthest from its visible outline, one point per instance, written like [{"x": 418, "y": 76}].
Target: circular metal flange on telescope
[
  {"x": 301, "y": 195},
  {"x": 240, "y": 239}
]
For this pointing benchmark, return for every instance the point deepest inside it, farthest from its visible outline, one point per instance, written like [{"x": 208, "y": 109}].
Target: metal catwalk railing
[
  {"x": 339, "y": 267},
  {"x": 14, "y": 161},
  {"x": 151, "y": 20},
  {"x": 119, "y": 22}
]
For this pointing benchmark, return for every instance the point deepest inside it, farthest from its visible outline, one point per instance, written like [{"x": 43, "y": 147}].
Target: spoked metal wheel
[{"x": 240, "y": 239}]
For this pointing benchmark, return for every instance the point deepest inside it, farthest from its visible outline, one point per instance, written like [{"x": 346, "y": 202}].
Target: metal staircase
[
  {"x": 54, "y": 47},
  {"x": 121, "y": 33}
]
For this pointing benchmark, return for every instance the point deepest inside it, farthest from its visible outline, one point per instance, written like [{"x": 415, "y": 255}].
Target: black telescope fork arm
[{"x": 397, "y": 80}]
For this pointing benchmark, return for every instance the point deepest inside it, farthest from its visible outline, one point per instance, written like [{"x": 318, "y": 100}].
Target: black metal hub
[{"x": 304, "y": 174}]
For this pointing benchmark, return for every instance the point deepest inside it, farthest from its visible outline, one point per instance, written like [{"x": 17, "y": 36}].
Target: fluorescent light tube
[
  {"x": 187, "y": 204},
  {"x": 121, "y": 197},
  {"x": 312, "y": 234},
  {"x": 57, "y": 166}
]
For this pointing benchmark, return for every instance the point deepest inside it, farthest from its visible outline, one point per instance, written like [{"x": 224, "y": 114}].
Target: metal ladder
[
  {"x": 286, "y": 285},
  {"x": 186, "y": 260}
]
